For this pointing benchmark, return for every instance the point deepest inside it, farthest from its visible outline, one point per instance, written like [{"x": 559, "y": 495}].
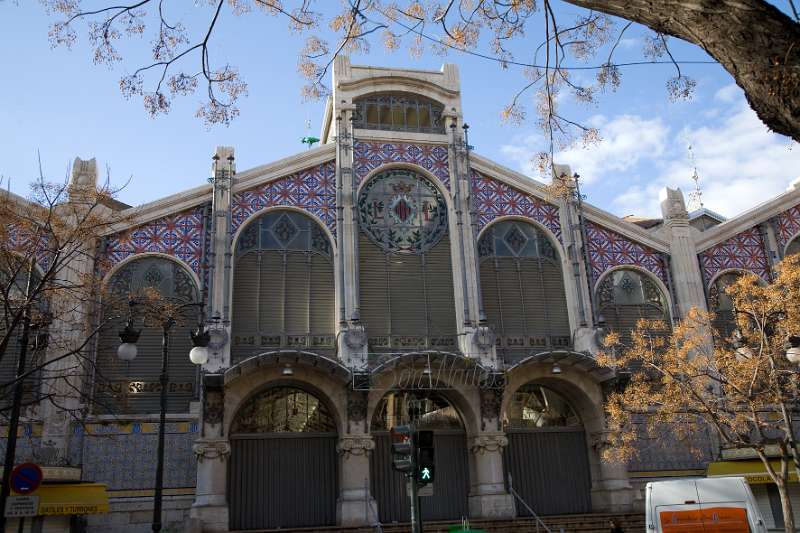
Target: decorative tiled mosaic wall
[
  {"x": 788, "y": 225},
  {"x": 22, "y": 241},
  {"x": 608, "y": 249},
  {"x": 367, "y": 156},
  {"x": 745, "y": 251},
  {"x": 494, "y": 199},
  {"x": 179, "y": 235},
  {"x": 312, "y": 190},
  {"x": 124, "y": 456}
]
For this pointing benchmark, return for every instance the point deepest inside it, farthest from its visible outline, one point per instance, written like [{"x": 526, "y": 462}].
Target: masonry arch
[
  {"x": 283, "y": 290},
  {"x": 283, "y": 464},
  {"x": 549, "y": 420},
  {"x": 133, "y": 387},
  {"x": 793, "y": 246},
  {"x": 429, "y": 409},
  {"x": 523, "y": 288}
]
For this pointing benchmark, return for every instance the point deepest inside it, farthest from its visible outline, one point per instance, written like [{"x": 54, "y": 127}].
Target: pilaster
[
  {"x": 220, "y": 260},
  {"x": 488, "y": 496},
  {"x": 355, "y": 505},
  {"x": 611, "y": 490},
  {"x": 70, "y": 309},
  {"x": 688, "y": 286},
  {"x": 212, "y": 450},
  {"x": 352, "y": 339}
]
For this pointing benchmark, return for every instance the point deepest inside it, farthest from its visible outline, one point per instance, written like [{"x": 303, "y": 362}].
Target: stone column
[
  {"x": 71, "y": 310},
  {"x": 611, "y": 491},
  {"x": 355, "y": 505},
  {"x": 683, "y": 253},
  {"x": 210, "y": 509},
  {"x": 488, "y": 496}
]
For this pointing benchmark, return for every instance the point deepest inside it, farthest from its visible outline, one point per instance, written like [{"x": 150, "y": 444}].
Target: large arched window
[
  {"x": 625, "y": 296},
  {"x": 721, "y": 305},
  {"x": 424, "y": 409},
  {"x": 134, "y": 386},
  {"x": 536, "y": 407},
  {"x": 523, "y": 289},
  {"x": 283, "y": 410},
  {"x": 405, "y": 269},
  {"x": 399, "y": 112},
  {"x": 283, "y": 286}
]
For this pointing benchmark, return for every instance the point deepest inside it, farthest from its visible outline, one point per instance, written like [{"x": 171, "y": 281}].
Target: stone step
[{"x": 584, "y": 523}]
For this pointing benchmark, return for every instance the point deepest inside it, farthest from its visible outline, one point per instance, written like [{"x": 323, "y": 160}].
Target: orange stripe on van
[{"x": 710, "y": 520}]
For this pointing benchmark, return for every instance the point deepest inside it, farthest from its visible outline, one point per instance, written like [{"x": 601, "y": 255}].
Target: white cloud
[
  {"x": 740, "y": 162},
  {"x": 728, "y": 94}
]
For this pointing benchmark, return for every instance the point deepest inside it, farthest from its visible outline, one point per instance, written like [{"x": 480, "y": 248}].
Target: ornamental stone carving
[
  {"x": 488, "y": 443},
  {"x": 213, "y": 399},
  {"x": 211, "y": 449},
  {"x": 356, "y": 405},
  {"x": 355, "y": 445},
  {"x": 491, "y": 401},
  {"x": 600, "y": 440},
  {"x": 673, "y": 206}
]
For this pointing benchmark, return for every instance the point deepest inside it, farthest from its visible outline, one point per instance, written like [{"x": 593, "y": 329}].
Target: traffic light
[
  {"x": 402, "y": 448},
  {"x": 426, "y": 465}
]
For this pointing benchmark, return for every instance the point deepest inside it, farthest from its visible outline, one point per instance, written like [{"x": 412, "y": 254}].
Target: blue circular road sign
[{"x": 26, "y": 478}]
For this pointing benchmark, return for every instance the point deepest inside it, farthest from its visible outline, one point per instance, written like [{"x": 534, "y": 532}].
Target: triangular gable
[
  {"x": 743, "y": 251},
  {"x": 608, "y": 249}
]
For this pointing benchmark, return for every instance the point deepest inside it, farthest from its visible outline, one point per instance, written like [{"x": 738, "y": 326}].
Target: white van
[{"x": 710, "y": 505}]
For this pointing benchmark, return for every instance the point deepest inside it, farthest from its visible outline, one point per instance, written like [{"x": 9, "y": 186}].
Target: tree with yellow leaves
[{"x": 743, "y": 388}]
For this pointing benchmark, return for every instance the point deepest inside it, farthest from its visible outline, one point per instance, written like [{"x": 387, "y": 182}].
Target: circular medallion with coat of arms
[{"x": 402, "y": 212}]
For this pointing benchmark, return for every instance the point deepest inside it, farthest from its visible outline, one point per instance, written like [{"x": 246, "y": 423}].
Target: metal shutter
[
  {"x": 407, "y": 295},
  {"x": 322, "y": 293},
  {"x": 373, "y": 287},
  {"x": 245, "y": 306},
  {"x": 297, "y": 292},
  {"x": 510, "y": 296},
  {"x": 271, "y": 299},
  {"x": 556, "y": 296},
  {"x": 440, "y": 290}
]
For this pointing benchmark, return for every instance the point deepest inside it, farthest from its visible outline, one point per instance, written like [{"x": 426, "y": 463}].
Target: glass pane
[
  {"x": 385, "y": 115},
  {"x": 283, "y": 410},
  {"x": 398, "y": 115},
  {"x": 534, "y": 406},
  {"x": 372, "y": 114},
  {"x": 424, "y": 116},
  {"x": 425, "y": 409},
  {"x": 412, "y": 117}
]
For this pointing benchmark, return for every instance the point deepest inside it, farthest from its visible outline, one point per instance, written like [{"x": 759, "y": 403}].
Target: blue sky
[{"x": 56, "y": 101}]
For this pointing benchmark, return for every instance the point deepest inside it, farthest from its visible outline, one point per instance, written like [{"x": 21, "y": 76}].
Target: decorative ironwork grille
[
  {"x": 424, "y": 409},
  {"x": 397, "y": 112},
  {"x": 523, "y": 289},
  {"x": 283, "y": 410},
  {"x": 626, "y": 296},
  {"x": 283, "y": 292}
]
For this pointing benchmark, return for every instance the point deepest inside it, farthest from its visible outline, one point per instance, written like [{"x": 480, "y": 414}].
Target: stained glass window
[
  {"x": 424, "y": 409},
  {"x": 399, "y": 112},
  {"x": 625, "y": 296},
  {"x": 283, "y": 410},
  {"x": 534, "y": 406},
  {"x": 402, "y": 212}
]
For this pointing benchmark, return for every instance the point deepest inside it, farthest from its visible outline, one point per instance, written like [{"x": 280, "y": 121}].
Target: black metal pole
[
  {"x": 11, "y": 441},
  {"x": 161, "y": 426}
]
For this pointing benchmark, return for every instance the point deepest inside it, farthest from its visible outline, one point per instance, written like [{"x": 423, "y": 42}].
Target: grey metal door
[
  {"x": 282, "y": 480},
  {"x": 550, "y": 470},
  {"x": 450, "y": 488}
]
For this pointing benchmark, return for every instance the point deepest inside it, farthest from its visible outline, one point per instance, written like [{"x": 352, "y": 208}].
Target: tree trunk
[
  {"x": 755, "y": 42},
  {"x": 786, "y": 506}
]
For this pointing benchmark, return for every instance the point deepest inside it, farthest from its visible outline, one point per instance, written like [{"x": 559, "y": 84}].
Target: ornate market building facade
[{"x": 390, "y": 275}]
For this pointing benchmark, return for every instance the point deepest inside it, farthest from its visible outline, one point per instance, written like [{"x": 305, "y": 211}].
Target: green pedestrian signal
[{"x": 426, "y": 464}]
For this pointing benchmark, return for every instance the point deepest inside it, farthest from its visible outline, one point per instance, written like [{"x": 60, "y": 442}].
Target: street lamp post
[{"x": 199, "y": 355}]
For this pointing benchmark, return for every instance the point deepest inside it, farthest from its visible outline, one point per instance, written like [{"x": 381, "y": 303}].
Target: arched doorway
[
  {"x": 283, "y": 466},
  {"x": 426, "y": 410},
  {"x": 546, "y": 455}
]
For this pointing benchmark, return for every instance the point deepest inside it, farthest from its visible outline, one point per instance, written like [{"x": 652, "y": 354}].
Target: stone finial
[
  {"x": 673, "y": 206},
  {"x": 223, "y": 164},
  {"x": 84, "y": 177}
]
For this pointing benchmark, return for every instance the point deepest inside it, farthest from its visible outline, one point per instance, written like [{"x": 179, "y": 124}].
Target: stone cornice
[
  {"x": 595, "y": 214},
  {"x": 136, "y": 216},
  {"x": 395, "y": 82},
  {"x": 747, "y": 220}
]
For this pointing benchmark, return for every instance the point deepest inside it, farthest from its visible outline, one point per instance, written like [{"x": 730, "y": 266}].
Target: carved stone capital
[
  {"x": 600, "y": 440},
  {"x": 211, "y": 449},
  {"x": 355, "y": 445},
  {"x": 488, "y": 443}
]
